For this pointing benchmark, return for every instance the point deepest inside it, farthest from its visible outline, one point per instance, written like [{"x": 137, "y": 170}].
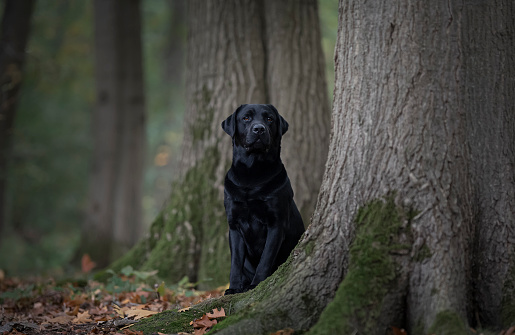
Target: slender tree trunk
[
  {"x": 414, "y": 226},
  {"x": 114, "y": 217},
  {"x": 297, "y": 88},
  {"x": 13, "y": 40},
  {"x": 229, "y": 63}
]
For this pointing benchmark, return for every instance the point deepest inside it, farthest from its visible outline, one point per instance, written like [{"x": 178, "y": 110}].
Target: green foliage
[{"x": 18, "y": 293}]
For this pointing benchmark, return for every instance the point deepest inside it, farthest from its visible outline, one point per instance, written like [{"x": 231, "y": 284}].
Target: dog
[{"x": 264, "y": 222}]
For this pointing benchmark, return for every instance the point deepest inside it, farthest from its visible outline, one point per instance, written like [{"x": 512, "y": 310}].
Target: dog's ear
[
  {"x": 229, "y": 124},
  {"x": 283, "y": 125}
]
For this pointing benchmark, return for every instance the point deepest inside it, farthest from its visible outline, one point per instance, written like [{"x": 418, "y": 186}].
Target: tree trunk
[
  {"x": 295, "y": 73},
  {"x": 114, "y": 217},
  {"x": 14, "y": 36},
  {"x": 414, "y": 226},
  {"x": 229, "y": 63}
]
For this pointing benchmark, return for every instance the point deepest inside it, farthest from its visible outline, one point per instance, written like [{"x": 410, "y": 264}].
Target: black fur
[{"x": 264, "y": 222}]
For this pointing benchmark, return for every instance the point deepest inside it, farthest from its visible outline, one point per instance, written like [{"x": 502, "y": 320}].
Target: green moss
[
  {"x": 227, "y": 322},
  {"x": 358, "y": 301},
  {"x": 448, "y": 323},
  {"x": 423, "y": 253},
  {"x": 168, "y": 322},
  {"x": 309, "y": 247},
  {"x": 419, "y": 327},
  {"x": 201, "y": 128}
]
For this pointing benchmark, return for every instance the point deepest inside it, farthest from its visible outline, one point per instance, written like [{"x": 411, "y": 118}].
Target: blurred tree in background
[
  {"x": 52, "y": 142},
  {"x": 13, "y": 41},
  {"x": 47, "y": 178},
  {"x": 114, "y": 214}
]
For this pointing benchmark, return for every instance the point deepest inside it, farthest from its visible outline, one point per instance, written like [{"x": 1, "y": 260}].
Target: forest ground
[{"x": 85, "y": 306}]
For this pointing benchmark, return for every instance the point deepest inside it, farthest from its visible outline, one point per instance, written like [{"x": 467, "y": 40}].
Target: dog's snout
[{"x": 258, "y": 129}]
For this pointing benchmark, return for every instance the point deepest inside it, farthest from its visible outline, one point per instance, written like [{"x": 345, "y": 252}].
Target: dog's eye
[
  {"x": 246, "y": 118},
  {"x": 269, "y": 120}
]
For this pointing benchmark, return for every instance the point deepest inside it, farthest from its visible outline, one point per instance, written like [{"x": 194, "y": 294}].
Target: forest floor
[
  {"x": 80, "y": 306},
  {"x": 88, "y": 307}
]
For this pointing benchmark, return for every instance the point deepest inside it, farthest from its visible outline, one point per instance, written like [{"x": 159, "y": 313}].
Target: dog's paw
[{"x": 233, "y": 291}]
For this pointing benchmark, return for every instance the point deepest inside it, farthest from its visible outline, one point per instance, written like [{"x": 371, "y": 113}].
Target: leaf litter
[
  {"x": 88, "y": 307},
  {"x": 45, "y": 307}
]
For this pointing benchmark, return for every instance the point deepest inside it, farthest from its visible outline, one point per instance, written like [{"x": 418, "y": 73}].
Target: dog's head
[{"x": 257, "y": 128}]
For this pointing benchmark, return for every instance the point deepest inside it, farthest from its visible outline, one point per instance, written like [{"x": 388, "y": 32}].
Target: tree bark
[
  {"x": 229, "y": 63},
  {"x": 414, "y": 226},
  {"x": 488, "y": 84},
  {"x": 13, "y": 40},
  {"x": 114, "y": 217},
  {"x": 297, "y": 88}
]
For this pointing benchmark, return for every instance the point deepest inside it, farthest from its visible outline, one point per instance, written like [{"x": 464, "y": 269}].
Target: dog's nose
[{"x": 258, "y": 129}]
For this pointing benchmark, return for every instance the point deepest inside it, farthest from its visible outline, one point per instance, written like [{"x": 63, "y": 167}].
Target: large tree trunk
[
  {"x": 233, "y": 58},
  {"x": 414, "y": 226},
  {"x": 13, "y": 40},
  {"x": 114, "y": 216}
]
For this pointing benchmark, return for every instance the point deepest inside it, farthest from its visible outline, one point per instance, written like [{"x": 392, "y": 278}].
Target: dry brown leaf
[
  {"x": 87, "y": 264},
  {"x": 139, "y": 313},
  {"x": 216, "y": 313},
  {"x": 203, "y": 322},
  {"x": 82, "y": 318},
  {"x": 61, "y": 319},
  {"x": 184, "y": 309}
]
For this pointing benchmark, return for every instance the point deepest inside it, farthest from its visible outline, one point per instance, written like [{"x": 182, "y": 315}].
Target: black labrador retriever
[{"x": 264, "y": 222}]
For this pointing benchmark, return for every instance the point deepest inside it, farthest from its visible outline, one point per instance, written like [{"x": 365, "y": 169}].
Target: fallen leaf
[
  {"x": 120, "y": 310},
  {"x": 61, "y": 319},
  {"x": 203, "y": 322},
  {"x": 82, "y": 318},
  {"x": 139, "y": 313},
  {"x": 216, "y": 313},
  {"x": 74, "y": 312},
  {"x": 87, "y": 264}
]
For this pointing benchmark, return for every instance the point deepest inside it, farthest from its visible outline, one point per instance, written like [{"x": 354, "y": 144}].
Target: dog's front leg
[
  {"x": 274, "y": 240},
  {"x": 237, "y": 246}
]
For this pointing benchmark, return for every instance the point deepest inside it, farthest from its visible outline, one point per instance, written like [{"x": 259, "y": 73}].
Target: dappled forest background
[{"x": 49, "y": 167}]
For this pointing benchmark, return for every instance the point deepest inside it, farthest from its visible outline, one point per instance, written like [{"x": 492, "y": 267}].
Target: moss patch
[
  {"x": 310, "y": 246},
  {"x": 448, "y": 323},
  {"x": 423, "y": 253},
  {"x": 372, "y": 270},
  {"x": 168, "y": 322},
  {"x": 201, "y": 128},
  {"x": 172, "y": 322}
]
